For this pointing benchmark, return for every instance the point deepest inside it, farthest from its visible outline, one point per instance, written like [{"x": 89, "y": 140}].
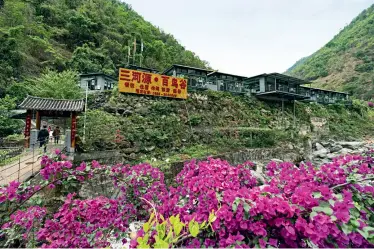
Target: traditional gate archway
[{"x": 48, "y": 107}]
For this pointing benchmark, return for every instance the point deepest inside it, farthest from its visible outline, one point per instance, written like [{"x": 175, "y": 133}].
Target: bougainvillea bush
[{"x": 212, "y": 204}]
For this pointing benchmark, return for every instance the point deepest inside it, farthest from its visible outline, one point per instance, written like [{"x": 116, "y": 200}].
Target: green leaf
[
  {"x": 312, "y": 214},
  {"x": 339, "y": 197},
  {"x": 326, "y": 210},
  {"x": 143, "y": 245},
  {"x": 357, "y": 206},
  {"x": 235, "y": 204},
  {"x": 324, "y": 204},
  {"x": 177, "y": 228},
  {"x": 212, "y": 217},
  {"x": 246, "y": 207},
  {"x": 370, "y": 201},
  {"x": 368, "y": 229},
  {"x": 160, "y": 243},
  {"x": 364, "y": 234},
  {"x": 146, "y": 227},
  {"x": 169, "y": 236},
  {"x": 347, "y": 229},
  {"x": 317, "y": 194},
  {"x": 160, "y": 228},
  {"x": 355, "y": 223},
  {"x": 202, "y": 225},
  {"x": 371, "y": 240},
  {"x": 355, "y": 213},
  {"x": 219, "y": 197},
  {"x": 172, "y": 220},
  {"x": 332, "y": 202},
  {"x": 193, "y": 227},
  {"x": 139, "y": 240}
]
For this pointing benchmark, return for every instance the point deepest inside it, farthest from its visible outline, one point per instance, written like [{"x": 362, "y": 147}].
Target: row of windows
[
  {"x": 93, "y": 85},
  {"x": 190, "y": 71}
]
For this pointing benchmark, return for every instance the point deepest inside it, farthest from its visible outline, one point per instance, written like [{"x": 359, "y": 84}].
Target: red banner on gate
[{"x": 28, "y": 125}]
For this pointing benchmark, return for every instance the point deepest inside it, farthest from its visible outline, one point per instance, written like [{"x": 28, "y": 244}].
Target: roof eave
[{"x": 96, "y": 74}]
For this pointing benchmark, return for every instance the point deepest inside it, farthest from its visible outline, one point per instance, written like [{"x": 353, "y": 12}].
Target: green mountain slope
[
  {"x": 346, "y": 63},
  {"x": 297, "y": 63},
  {"x": 83, "y": 35}
]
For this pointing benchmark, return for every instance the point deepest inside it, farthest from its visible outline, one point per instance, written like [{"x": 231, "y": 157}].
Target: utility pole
[
  {"x": 129, "y": 55},
  {"x": 85, "y": 110},
  {"x": 133, "y": 59},
  {"x": 141, "y": 51}
]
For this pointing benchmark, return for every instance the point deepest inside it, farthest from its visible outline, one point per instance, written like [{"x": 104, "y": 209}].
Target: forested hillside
[
  {"x": 346, "y": 63},
  {"x": 81, "y": 35},
  {"x": 297, "y": 63}
]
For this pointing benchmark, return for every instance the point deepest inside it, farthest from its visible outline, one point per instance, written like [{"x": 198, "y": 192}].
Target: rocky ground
[{"x": 323, "y": 152}]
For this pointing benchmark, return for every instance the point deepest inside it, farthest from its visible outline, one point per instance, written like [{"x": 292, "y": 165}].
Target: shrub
[{"x": 214, "y": 204}]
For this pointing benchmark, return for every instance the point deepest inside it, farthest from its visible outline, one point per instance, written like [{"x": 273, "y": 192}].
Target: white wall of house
[{"x": 96, "y": 82}]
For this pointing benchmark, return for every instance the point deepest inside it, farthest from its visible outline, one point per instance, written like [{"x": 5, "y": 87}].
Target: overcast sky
[{"x": 249, "y": 37}]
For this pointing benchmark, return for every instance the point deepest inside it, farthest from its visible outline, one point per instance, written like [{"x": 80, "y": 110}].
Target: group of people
[{"x": 45, "y": 135}]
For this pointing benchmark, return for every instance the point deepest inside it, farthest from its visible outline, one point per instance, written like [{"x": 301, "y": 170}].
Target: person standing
[
  {"x": 43, "y": 138},
  {"x": 51, "y": 135},
  {"x": 56, "y": 134}
]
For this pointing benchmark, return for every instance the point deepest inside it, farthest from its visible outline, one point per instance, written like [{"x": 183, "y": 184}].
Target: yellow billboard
[{"x": 132, "y": 81}]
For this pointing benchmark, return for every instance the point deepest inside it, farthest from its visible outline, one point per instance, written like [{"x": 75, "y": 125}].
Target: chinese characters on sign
[
  {"x": 131, "y": 81},
  {"x": 28, "y": 124}
]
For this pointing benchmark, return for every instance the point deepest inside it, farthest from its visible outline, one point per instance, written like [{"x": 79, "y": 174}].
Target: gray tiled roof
[{"x": 45, "y": 104}]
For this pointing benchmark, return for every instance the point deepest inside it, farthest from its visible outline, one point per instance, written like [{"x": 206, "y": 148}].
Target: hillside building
[
  {"x": 228, "y": 82},
  {"x": 270, "y": 87},
  {"x": 97, "y": 82},
  {"x": 197, "y": 77}
]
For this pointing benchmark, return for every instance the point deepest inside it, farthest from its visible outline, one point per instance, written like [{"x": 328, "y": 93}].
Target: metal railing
[
  {"x": 28, "y": 162},
  {"x": 9, "y": 152}
]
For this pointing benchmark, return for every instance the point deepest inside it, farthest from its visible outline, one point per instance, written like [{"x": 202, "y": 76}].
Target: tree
[
  {"x": 8, "y": 125},
  {"x": 56, "y": 85},
  {"x": 85, "y": 59},
  {"x": 19, "y": 91},
  {"x": 10, "y": 59},
  {"x": 85, "y": 36},
  {"x": 101, "y": 130}
]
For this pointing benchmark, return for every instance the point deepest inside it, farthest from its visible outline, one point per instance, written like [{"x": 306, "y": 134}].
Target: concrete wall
[{"x": 262, "y": 84}]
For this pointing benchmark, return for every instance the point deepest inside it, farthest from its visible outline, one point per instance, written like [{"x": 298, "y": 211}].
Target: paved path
[{"x": 28, "y": 164}]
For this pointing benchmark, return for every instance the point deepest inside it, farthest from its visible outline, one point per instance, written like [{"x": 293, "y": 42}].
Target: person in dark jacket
[
  {"x": 43, "y": 138},
  {"x": 56, "y": 134}
]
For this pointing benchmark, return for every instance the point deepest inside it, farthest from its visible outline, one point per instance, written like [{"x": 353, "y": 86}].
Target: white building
[{"x": 97, "y": 81}]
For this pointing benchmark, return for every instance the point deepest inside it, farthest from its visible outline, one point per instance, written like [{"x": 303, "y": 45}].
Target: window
[
  {"x": 191, "y": 71},
  {"x": 92, "y": 84},
  {"x": 270, "y": 80}
]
